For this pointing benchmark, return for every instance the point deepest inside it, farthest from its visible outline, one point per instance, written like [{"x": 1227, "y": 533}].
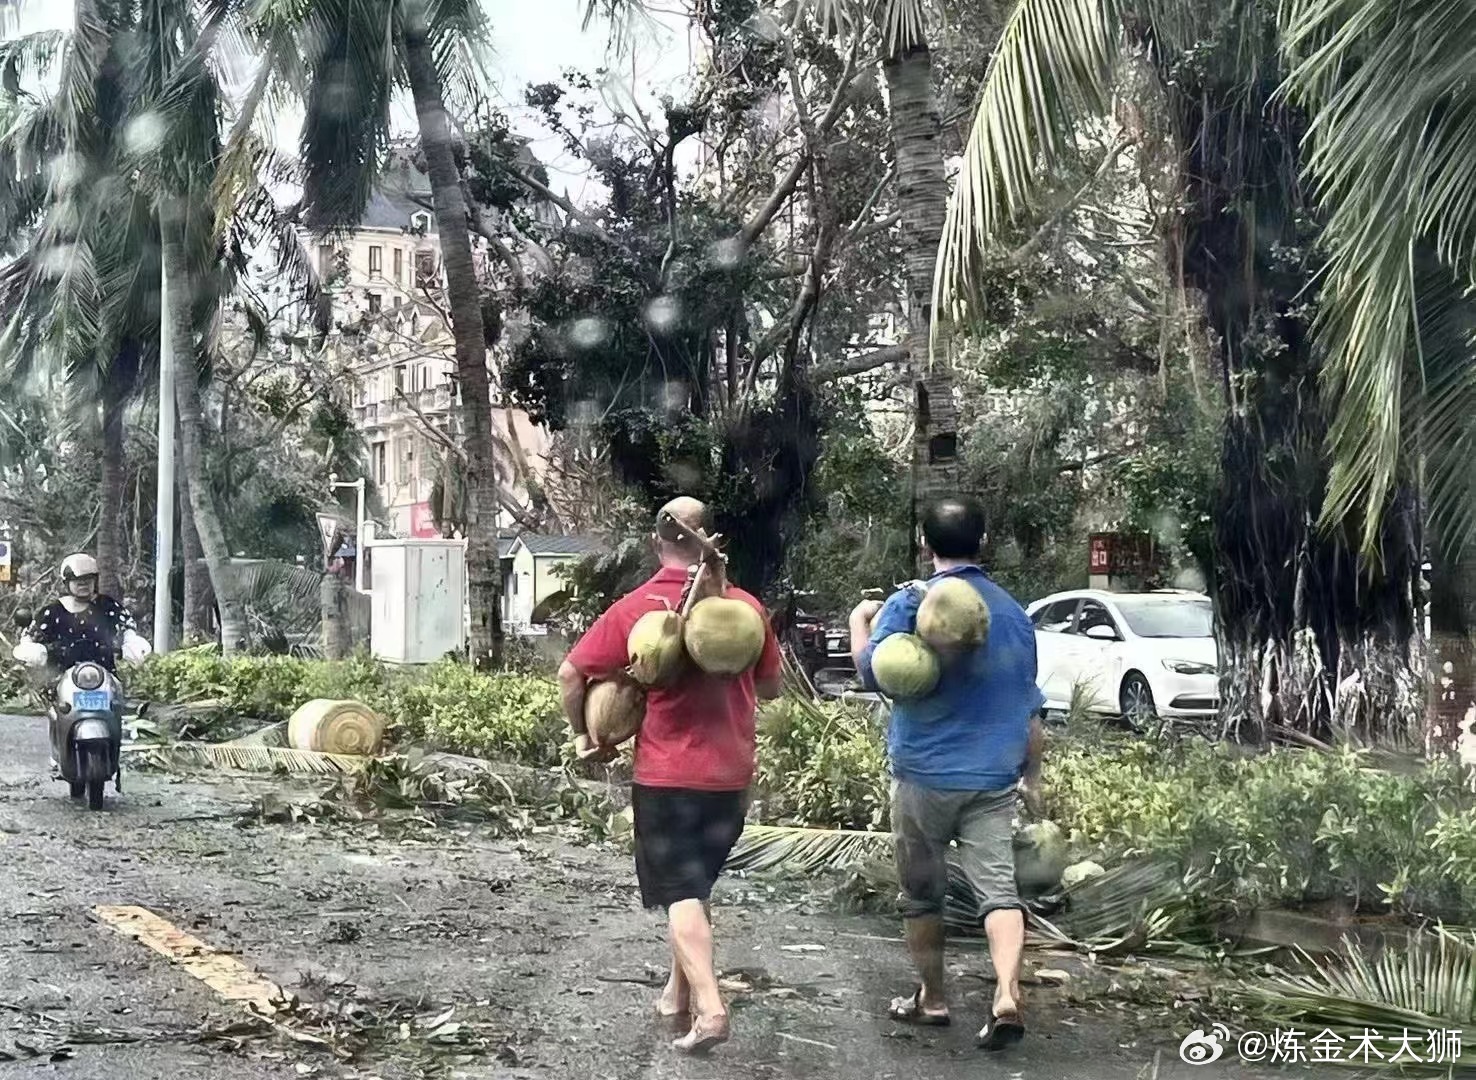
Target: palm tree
[
  {"x": 347, "y": 59},
  {"x": 135, "y": 123},
  {"x": 79, "y": 294},
  {"x": 1316, "y": 618}
]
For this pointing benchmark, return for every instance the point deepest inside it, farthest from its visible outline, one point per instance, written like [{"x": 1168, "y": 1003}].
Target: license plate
[{"x": 92, "y": 701}]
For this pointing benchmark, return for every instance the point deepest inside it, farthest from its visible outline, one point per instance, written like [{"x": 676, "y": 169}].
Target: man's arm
[
  {"x": 572, "y": 685},
  {"x": 599, "y": 652},
  {"x": 1030, "y": 779}
]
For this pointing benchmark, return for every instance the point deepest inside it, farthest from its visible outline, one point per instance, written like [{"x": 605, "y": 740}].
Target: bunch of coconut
[
  {"x": 952, "y": 620},
  {"x": 719, "y": 635}
]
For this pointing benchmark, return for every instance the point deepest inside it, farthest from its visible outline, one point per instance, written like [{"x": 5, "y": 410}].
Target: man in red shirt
[{"x": 694, "y": 760}]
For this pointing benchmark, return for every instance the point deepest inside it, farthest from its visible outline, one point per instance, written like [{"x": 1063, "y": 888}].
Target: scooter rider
[{"x": 82, "y": 626}]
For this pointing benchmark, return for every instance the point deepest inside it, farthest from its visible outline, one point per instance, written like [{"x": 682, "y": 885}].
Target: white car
[{"x": 1138, "y": 655}]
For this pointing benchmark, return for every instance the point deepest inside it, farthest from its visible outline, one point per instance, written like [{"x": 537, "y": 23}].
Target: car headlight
[
  {"x": 87, "y": 677},
  {"x": 1189, "y": 667}
]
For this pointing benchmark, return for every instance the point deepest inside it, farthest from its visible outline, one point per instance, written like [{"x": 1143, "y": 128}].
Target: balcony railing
[{"x": 431, "y": 400}]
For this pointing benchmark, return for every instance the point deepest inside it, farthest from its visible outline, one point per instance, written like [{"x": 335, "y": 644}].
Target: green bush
[
  {"x": 516, "y": 717},
  {"x": 1281, "y": 826},
  {"x": 822, "y": 765}
]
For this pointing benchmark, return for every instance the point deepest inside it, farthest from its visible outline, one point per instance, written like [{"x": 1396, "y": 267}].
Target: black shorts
[{"x": 682, "y": 840}]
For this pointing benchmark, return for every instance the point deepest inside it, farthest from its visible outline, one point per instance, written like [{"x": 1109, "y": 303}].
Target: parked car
[{"x": 1138, "y": 655}]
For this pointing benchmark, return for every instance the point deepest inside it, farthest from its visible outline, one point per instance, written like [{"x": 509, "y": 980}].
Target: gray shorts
[{"x": 925, "y": 821}]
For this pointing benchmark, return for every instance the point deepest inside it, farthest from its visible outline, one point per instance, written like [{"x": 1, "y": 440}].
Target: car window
[
  {"x": 1094, "y": 614},
  {"x": 1055, "y": 618},
  {"x": 1169, "y": 618}
]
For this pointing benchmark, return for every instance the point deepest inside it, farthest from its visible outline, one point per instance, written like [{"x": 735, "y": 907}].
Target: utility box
[{"x": 418, "y": 591}]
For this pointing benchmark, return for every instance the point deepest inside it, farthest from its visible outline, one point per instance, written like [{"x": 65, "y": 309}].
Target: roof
[
  {"x": 544, "y": 546},
  {"x": 505, "y": 546},
  {"x": 392, "y": 210}
]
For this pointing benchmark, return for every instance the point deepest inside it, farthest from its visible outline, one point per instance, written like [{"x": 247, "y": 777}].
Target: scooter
[
  {"x": 84, "y": 711},
  {"x": 86, "y": 721}
]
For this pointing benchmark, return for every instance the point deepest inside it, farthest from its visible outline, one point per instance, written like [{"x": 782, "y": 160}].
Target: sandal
[
  {"x": 909, "y": 1010},
  {"x": 1000, "y": 1032}
]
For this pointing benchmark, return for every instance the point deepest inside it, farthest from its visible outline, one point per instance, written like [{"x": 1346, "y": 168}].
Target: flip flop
[
  {"x": 909, "y": 1010},
  {"x": 1000, "y": 1032}
]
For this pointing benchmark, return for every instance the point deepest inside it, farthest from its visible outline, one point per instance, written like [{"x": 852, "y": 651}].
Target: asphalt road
[{"x": 539, "y": 947}]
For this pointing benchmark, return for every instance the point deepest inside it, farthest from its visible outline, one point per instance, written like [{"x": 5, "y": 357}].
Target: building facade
[{"x": 385, "y": 284}]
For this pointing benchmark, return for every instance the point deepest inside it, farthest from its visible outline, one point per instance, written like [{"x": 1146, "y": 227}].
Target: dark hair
[{"x": 954, "y": 528}]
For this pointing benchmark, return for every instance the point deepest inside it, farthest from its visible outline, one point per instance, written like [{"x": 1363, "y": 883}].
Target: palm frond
[
  {"x": 805, "y": 851},
  {"x": 1426, "y": 984},
  {"x": 1054, "y": 67},
  {"x": 248, "y": 758},
  {"x": 1394, "y": 170}
]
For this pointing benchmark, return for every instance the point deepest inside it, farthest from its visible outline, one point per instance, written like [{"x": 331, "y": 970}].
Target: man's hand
[
  {"x": 864, "y": 612},
  {"x": 1031, "y": 797},
  {"x": 588, "y": 750}
]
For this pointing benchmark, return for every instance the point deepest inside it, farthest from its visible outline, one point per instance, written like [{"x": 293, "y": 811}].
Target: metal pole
[
  {"x": 359, "y": 537},
  {"x": 164, "y": 522}
]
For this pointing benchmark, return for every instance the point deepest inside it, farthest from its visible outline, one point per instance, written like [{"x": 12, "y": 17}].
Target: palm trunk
[
  {"x": 922, "y": 199},
  {"x": 110, "y": 530},
  {"x": 192, "y": 439},
  {"x": 199, "y": 597},
  {"x": 483, "y": 572}
]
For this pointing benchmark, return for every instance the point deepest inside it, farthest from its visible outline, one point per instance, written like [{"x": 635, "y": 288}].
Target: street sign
[
  {"x": 4, "y": 562},
  {"x": 328, "y": 525}
]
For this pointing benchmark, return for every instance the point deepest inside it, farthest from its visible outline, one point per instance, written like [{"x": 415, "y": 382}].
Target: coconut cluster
[
  {"x": 720, "y": 635},
  {"x": 952, "y": 620}
]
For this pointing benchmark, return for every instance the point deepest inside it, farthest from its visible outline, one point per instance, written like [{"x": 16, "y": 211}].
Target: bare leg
[
  {"x": 925, "y": 937},
  {"x": 691, "y": 940},
  {"x": 676, "y": 995},
  {"x": 1005, "y": 928}
]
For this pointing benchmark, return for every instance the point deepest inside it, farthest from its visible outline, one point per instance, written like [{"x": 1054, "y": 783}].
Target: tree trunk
[
  {"x": 192, "y": 438},
  {"x": 338, "y": 638},
  {"x": 922, "y": 199},
  {"x": 1313, "y": 638},
  {"x": 199, "y": 597},
  {"x": 110, "y": 529},
  {"x": 483, "y": 570}
]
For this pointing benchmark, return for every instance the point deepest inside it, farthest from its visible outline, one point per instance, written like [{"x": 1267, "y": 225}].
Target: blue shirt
[{"x": 972, "y": 732}]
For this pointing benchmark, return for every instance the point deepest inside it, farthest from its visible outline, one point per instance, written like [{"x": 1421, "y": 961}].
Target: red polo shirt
[{"x": 698, "y": 733}]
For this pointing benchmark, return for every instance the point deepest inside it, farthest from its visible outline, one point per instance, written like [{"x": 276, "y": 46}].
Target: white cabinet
[{"x": 419, "y": 597}]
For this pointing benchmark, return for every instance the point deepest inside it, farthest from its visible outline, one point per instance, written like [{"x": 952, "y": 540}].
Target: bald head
[{"x": 674, "y": 523}]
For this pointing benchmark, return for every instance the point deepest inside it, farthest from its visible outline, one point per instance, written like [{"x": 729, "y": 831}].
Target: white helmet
[{"x": 78, "y": 566}]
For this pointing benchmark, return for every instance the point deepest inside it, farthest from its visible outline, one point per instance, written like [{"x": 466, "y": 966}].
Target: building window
[
  {"x": 425, "y": 269},
  {"x": 399, "y": 262},
  {"x": 381, "y": 458},
  {"x": 326, "y": 261},
  {"x": 375, "y": 303},
  {"x": 399, "y": 301},
  {"x": 376, "y": 261},
  {"x": 400, "y": 377},
  {"x": 404, "y": 461}
]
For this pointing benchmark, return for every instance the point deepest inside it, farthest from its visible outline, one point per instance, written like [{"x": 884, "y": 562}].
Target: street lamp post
[{"x": 358, "y": 486}]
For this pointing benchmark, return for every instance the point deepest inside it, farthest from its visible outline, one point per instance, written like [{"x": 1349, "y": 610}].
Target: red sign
[
  {"x": 1101, "y": 555},
  {"x": 423, "y": 522}
]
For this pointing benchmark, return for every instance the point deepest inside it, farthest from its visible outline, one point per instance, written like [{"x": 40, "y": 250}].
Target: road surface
[{"x": 538, "y": 946}]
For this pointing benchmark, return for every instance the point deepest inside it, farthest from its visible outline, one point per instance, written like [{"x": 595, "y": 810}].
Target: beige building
[{"x": 386, "y": 286}]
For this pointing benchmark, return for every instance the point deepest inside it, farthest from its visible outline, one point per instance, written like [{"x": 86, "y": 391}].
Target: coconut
[
  {"x": 1076, "y": 873},
  {"x": 1041, "y": 855},
  {"x": 724, "y": 635},
  {"x": 613, "y": 711},
  {"x": 953, "y": 618},
  {"x": 905, "y": 667},
  {"x": 655, "y": 648}
]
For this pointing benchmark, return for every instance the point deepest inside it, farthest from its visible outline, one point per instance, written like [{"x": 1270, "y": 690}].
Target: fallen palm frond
[
  {"x": 1425, "y": 988},
  {"x": 805, "y": 851},
  {"x": 1143, "y": 905},
  {"x": 270, "y": 759}
]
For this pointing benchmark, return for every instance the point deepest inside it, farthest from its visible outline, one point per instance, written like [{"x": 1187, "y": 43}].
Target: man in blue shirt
[{"x": 961, "y": 758}]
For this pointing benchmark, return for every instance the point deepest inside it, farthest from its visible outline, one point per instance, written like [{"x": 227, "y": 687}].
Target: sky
[{"x": 533, "y": 41}]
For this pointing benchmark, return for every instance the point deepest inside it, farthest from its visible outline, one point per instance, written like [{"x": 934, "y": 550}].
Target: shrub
[
  {"x": 822, "y": 764},
  {"x": 452, "y": 707}
]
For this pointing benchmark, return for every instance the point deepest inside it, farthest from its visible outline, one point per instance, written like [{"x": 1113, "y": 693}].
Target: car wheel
[{"x": 1138, "y": 708}]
